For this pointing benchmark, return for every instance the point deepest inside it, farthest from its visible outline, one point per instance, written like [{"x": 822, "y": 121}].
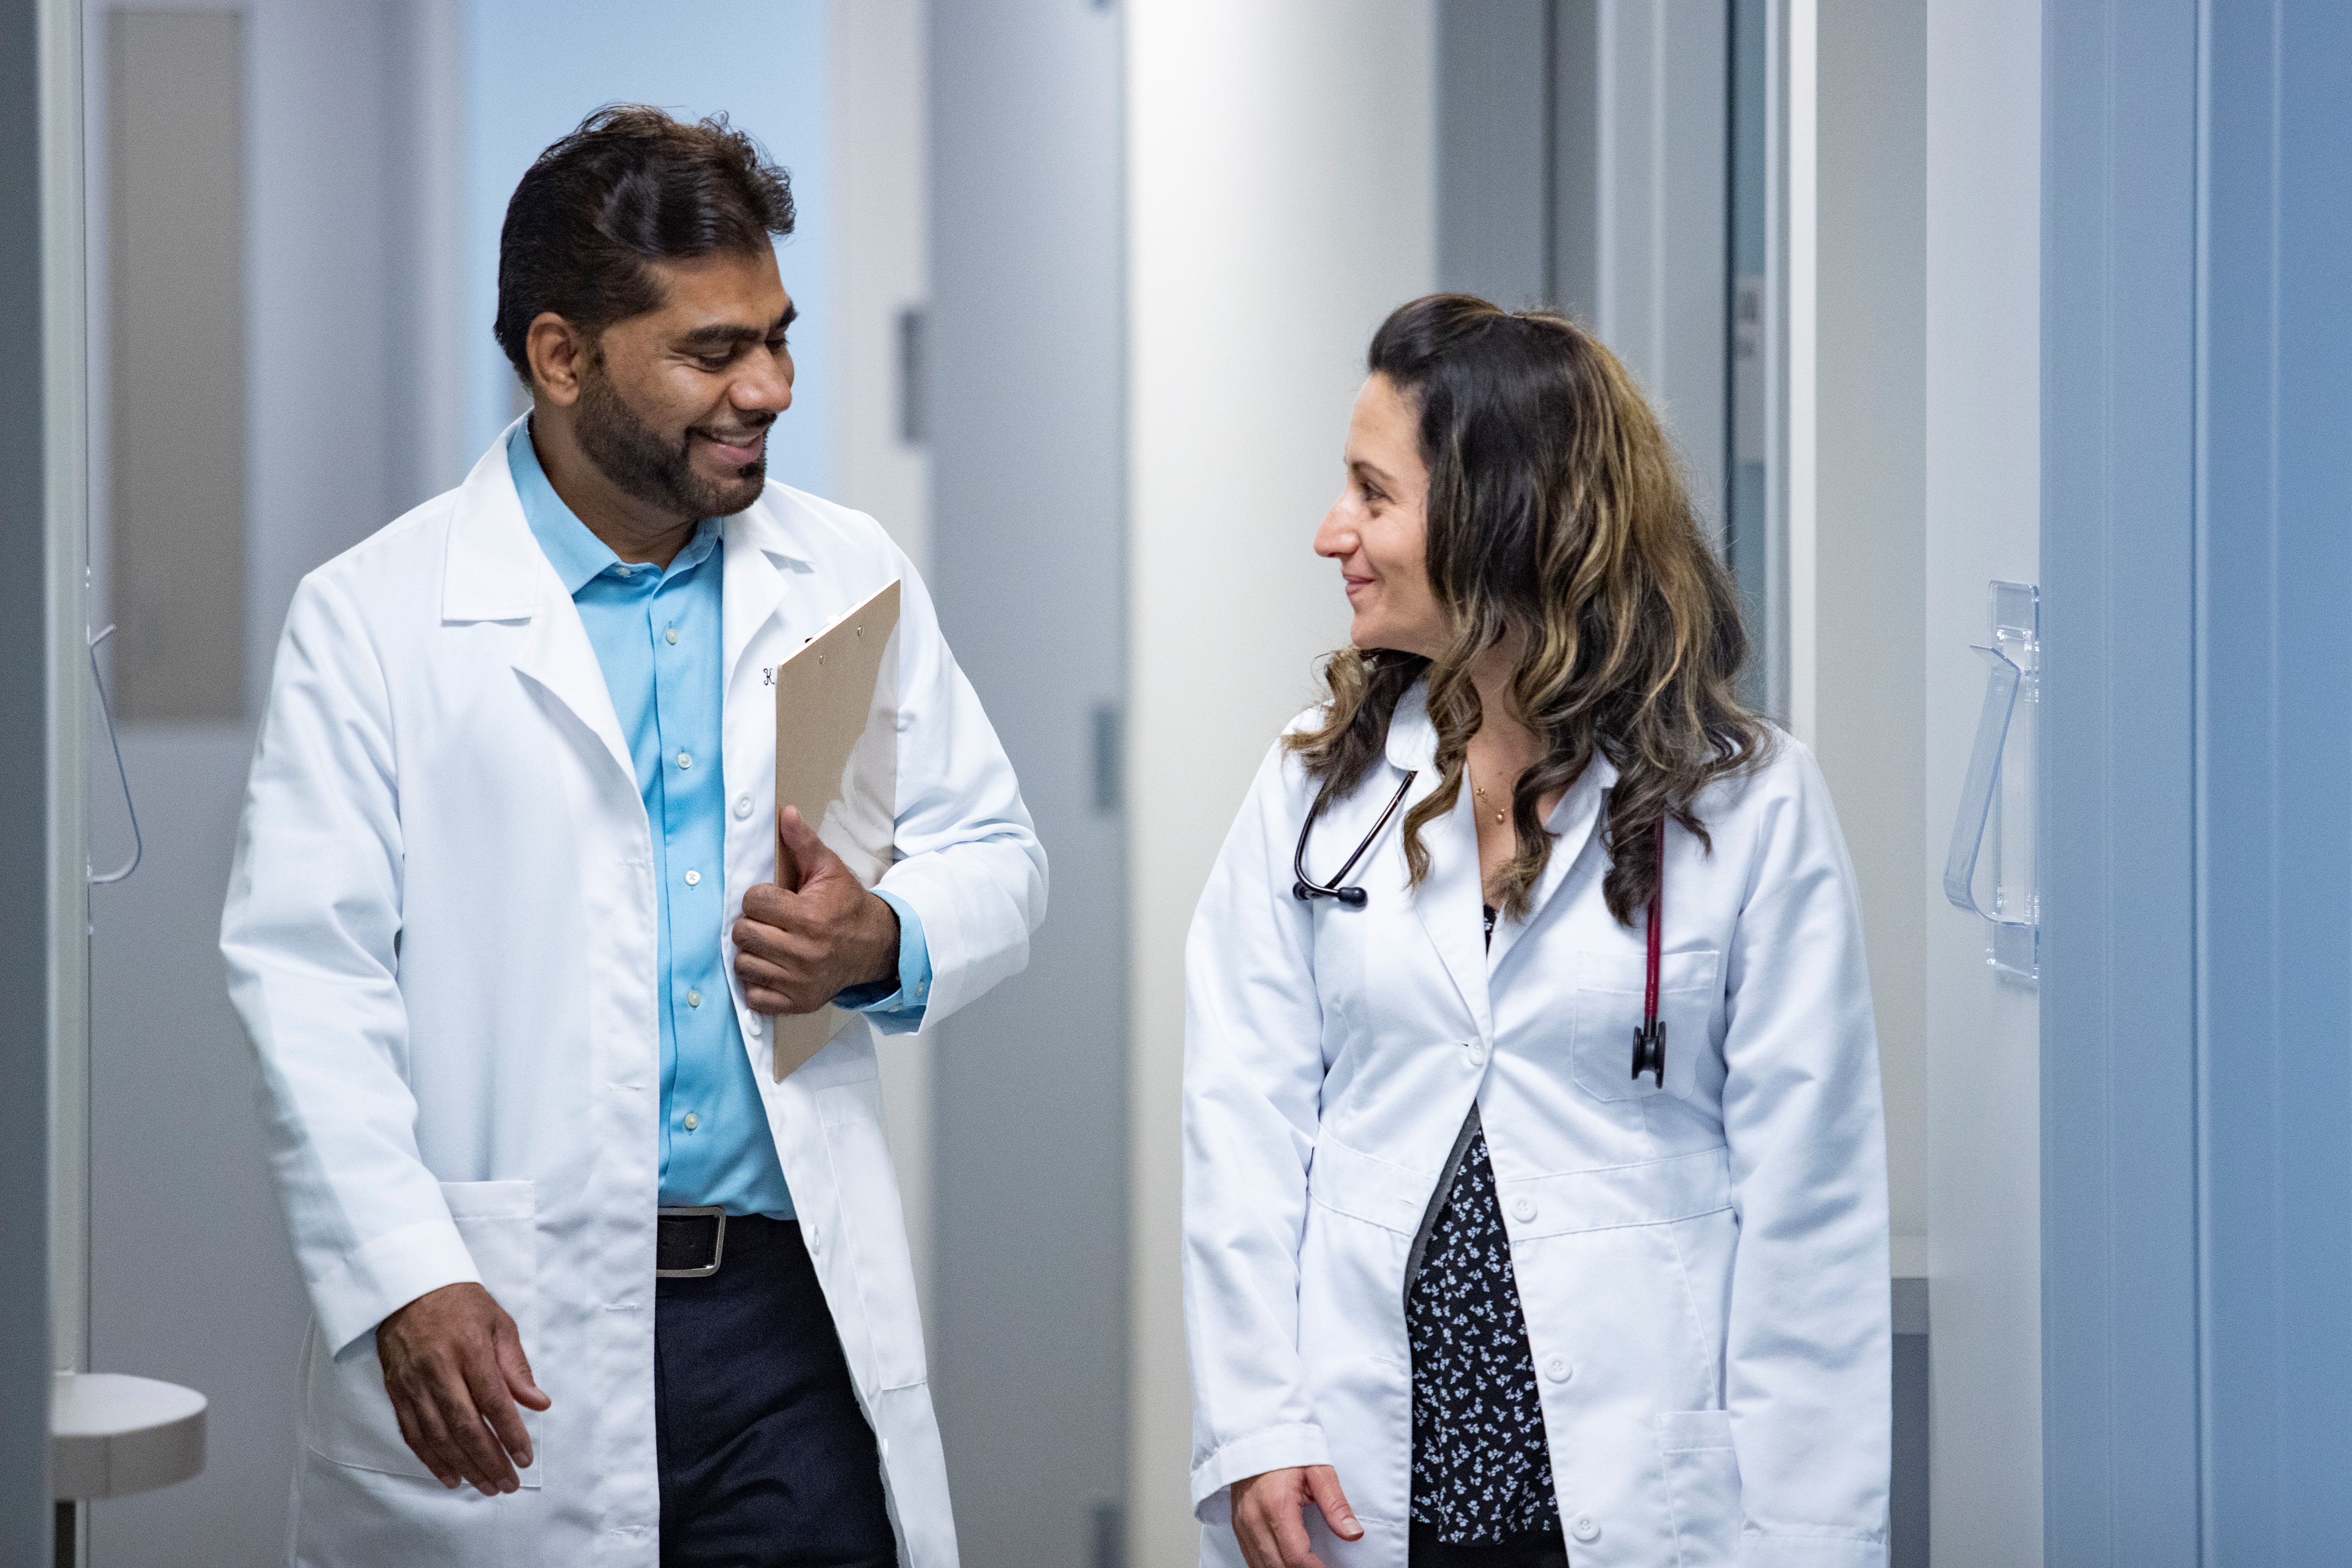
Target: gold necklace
[{"x": 1478, "y": 792}]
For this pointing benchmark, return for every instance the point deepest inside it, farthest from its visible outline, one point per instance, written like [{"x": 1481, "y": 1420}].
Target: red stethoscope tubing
[
  {"x": 1650, "y": 1039},
  {"x": 1650, "y": 995}
]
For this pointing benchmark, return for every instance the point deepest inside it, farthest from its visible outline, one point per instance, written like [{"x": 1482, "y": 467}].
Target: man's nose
[{"x": 765, "y": 387}]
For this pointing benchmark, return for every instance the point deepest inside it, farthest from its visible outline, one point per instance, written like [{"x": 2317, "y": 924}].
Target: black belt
[{"x": 689, "y": 1243}]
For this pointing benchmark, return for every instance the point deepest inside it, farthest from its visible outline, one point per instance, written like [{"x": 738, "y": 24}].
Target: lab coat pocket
[
  {"x": 347, "y": 1413},
  {"x": 1607, "y": 996},
  {"x": 1702, "y": 1472}
]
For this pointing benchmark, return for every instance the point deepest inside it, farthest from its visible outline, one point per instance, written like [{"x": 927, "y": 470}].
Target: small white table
[{"x": 111, "y": 1436}]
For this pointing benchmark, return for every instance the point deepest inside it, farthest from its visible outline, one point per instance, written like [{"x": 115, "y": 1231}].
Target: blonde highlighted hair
[{"x": 1557, "y": 518}]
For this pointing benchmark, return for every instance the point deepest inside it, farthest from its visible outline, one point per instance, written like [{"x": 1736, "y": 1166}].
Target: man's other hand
[
  {"x": 454, "y": 1366},
  {"x": 814, "y": 932}
]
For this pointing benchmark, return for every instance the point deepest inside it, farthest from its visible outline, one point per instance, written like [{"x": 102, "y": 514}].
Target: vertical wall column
[
  {"x": 1026, "y": 424},
  {"x": 26, "y": 215},
  {"x": 1980, "y": 1036},
  {"x": 2119, "y": 1104},
  {"x": 2273, "y": 725},
  {"x": 1280, "y": 205}
]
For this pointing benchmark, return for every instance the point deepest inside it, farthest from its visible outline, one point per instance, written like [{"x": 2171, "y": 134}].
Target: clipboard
[{"x": 837, "y": 761}]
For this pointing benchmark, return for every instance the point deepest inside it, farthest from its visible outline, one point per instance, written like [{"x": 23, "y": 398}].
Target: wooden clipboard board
[{"x": 837, "y": 761}]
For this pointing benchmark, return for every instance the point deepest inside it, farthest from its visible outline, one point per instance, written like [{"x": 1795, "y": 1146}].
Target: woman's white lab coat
[
  {"x": 440, "y": 934},
  {"x": 1703, "y": 1268}
]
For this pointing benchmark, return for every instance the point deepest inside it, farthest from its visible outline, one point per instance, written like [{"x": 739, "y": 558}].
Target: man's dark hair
[{"x": 629, "y": 186}]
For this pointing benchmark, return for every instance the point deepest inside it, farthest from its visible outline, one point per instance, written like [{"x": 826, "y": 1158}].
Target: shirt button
[
  {"x": 1557, "y": 1370},
  {"x": 626, "y": 571},
  {"x": 670, "y": 637},
  {"x": 742, "y": 806},
  {"x": 1586, "y": 1529},
  {"x": 692, "y": 1122},
  {"x": 685, "y": 759},
  {"x": 694, "y": 998},
  {"x": 1523, "y": 1209},
  {"x": 693, "y": 879}
]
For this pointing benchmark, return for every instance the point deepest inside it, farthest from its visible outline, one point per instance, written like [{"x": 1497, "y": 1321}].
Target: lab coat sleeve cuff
[
  {"x": 900, "y": 1012},
  {"x": 1274, "y": 1448},
  {"x": 384, "y": 1275},
  {"x": 1759, "y": 1550}
]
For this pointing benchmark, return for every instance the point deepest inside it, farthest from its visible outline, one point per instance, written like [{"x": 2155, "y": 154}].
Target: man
[{"x": 506, "y": 928}]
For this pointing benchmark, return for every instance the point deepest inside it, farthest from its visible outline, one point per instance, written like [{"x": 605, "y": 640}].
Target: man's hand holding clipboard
[{"x": 813, "y": 933}]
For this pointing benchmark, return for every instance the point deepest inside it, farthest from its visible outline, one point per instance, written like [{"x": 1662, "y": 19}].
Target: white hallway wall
[
  {"x": 1281, "y": 203},
  {"x": 1983, "y": 471}
]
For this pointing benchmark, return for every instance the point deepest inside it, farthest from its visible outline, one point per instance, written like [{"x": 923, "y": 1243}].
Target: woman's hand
[{"x": 1267, "y": 1515}]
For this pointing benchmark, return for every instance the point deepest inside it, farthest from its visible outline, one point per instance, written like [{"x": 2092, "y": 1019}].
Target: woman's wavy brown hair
[{"x": 1557, "y": 517}]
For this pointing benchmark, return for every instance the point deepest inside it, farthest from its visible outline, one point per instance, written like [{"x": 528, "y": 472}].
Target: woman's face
[{"x": 1378, "y": 531}]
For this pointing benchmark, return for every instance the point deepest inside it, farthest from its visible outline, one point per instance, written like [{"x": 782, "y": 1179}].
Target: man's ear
[{"x": 557, "y": 352}]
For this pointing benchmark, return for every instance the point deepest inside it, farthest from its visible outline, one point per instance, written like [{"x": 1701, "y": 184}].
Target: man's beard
[{"x": 635, "y": 457}]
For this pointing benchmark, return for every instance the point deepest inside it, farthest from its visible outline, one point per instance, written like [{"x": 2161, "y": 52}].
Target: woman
[{"x": 1460, "y": 1288}]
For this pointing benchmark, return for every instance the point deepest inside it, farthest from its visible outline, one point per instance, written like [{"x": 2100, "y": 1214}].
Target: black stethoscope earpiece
[{"x": 1305, "y": 890}]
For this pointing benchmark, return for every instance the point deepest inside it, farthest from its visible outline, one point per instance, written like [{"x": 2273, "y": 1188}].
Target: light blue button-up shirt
[{"x": 656, "y": 634}]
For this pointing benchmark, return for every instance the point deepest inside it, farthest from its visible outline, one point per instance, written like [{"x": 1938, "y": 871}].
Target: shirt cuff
[{"x": 899, "y": 1011}]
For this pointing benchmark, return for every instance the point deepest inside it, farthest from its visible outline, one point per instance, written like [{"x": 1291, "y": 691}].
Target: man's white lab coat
[
  {"x": 441, "y": 936},
  {"x": 1702, "y": 1266}
]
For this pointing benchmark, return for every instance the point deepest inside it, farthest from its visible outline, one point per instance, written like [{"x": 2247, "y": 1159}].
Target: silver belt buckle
[{"x": 718, "y": 1241}]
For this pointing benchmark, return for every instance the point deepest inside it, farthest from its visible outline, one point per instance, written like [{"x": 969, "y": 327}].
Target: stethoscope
[
  {"x": 1649, "y": 1037},
  {"x": 1307, "y": 889}
]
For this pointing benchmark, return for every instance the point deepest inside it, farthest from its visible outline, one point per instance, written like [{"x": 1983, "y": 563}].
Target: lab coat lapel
[
  {"x": 1449, "y": 903},
  {"x": 497, "y": 572},
  {"x": 1573, "y": 822},
  {"x": 757, "y": 580}
]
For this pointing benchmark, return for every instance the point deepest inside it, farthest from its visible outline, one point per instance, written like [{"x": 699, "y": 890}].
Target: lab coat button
[
  {"x": 692, "y": 1122},
  {"x": 1586, "y": 1529},
  {"x": 742, "y": 806},
  {"x": 693, "y": 879},
  {"x": 759, "y": 1024},
  {"x": 1475, "y": 1056},
  {"x": 814, "y": 1243},
  {"x": 1523, "y": 1209},
  {"x": 1557, "y": 1370}
]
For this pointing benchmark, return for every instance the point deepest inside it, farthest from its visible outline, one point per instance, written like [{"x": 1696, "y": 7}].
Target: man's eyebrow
[{"x": 721, "y": 335}]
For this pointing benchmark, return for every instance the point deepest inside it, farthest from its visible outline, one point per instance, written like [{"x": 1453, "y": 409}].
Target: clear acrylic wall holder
[{"x": 1997, "y": 800}]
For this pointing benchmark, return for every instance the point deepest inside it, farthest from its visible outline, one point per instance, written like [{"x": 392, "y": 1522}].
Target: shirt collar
[{"x": 578, "y": 556}]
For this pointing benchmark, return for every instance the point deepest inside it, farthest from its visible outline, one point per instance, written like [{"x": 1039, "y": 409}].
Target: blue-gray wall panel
[
  {"x": 24, "y": 935},
  {"x": 1028, "y": 425},
  {"x": 2276, "y": 721},
  {"x": 1494, "y": 150},
  {"x": 2119, "y": 1257}
]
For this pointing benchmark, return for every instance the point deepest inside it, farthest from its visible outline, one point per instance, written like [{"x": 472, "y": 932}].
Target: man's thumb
[
  {"x": 802, "y": 854},
  {"x": 517, "y": 1368}
]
